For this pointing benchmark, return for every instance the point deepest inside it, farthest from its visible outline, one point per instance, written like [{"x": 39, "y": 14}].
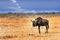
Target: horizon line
[{"x": 29, "y": 11}]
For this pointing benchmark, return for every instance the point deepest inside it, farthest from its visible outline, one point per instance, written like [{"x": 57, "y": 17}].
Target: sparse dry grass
[{"x": 20, "y": 28}]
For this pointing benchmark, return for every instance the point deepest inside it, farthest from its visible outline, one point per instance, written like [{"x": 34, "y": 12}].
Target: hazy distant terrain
[{"x": 19, "y": 27}]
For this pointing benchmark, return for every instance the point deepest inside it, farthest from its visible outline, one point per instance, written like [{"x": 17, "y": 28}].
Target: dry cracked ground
[{"x": 20, "y": 27}]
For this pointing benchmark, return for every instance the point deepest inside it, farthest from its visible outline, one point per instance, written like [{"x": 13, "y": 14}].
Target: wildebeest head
[
  {"x": 34, "y": 23},
  {"x": 37, "y": 21}
]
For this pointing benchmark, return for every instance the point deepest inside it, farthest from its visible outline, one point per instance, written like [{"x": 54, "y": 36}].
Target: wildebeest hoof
[
  {"x": 39, "y": 32},
  {"x": 46, "y": 32}
]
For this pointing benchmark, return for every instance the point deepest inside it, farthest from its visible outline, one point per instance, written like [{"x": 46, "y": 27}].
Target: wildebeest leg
[
  {"x": 47, "y": 29},
  {"x": 48, "y": 26},
  {"x": 39, "y": 29}
]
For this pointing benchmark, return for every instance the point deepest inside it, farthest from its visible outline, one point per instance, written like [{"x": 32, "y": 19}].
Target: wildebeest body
[{"x": 41, "y": 22}]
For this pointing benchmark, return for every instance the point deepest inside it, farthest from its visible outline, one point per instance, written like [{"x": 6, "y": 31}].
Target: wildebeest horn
[{"x": 31, "y": 20}]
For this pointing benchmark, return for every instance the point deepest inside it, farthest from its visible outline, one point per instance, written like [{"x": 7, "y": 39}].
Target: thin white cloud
[
  {"x": 15, "y": 2},
  {"x": 16, "y": 9},
  {"x": 33, "y": 11},
  {"x": 19, "y": 9},
  {"x": 18, "y": 5},
  {"x": 11, "y": 7}
]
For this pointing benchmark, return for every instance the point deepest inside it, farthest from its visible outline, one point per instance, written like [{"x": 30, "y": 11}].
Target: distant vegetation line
[
  {"x": 33, "y": 13},
  {"x": 10, "y": 14}
]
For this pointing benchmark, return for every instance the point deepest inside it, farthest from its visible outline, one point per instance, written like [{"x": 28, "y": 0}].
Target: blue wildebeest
[{"x": 41, "y": 22}]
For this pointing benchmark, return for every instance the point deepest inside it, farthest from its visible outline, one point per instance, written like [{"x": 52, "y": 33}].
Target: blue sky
[{"x": 29, "y": 5}]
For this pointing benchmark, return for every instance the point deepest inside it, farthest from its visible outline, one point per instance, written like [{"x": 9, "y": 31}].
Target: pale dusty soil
[{"x": 18, "y": 28}]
